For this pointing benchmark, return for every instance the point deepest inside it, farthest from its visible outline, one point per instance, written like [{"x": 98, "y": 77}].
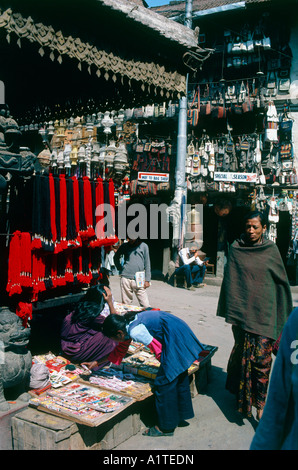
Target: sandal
[{"x": 154, "y": 432}]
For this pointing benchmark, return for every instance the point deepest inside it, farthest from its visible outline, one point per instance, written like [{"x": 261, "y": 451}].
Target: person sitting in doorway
[{"x": 191, "y": 266}]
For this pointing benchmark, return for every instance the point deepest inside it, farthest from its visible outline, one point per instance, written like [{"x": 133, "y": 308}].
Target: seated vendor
[{"x": 81, "y": 336}]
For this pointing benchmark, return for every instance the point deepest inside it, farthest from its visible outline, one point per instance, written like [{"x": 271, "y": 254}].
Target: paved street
[{"x": 216, "y": 425}]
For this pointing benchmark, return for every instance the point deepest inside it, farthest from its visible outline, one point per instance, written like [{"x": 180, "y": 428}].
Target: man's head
[
  {"x": 133, "y": 241},
  {"x": 222, "y": 207}
]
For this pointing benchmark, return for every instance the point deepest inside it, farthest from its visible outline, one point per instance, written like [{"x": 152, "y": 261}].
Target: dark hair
[
  {"x": 254, "y": 214},
  {"x": 223, "y": 203},
  {"x": 90, "y": 306},
  {"x": 114, "y": 322},
  {"x": 95, "y": 294},
  {"x": 105, "y": 281}
]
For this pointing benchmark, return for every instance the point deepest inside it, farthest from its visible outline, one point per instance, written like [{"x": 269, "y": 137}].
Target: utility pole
[{"x": 178, "y": 206}]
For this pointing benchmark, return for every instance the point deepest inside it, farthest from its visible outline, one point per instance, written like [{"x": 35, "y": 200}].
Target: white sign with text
[
  {"x": 236, "y": 177},
  {"x": 155, "y": 177}
]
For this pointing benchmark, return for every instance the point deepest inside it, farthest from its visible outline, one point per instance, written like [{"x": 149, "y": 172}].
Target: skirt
[{"x": 248, "y": 370}]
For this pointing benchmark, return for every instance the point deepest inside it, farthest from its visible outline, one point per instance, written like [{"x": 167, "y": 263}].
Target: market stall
[
  {"x": 69, "y": 139},
  {"x": 92, "y": 398}
]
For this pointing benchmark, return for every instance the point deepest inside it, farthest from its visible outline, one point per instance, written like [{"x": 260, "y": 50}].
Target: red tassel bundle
[
  {"x": 76, "y": 203},
  {"x": 63, "y": 211},
  {"x": 14, "y": 265},
  {"x": 25, "y": 261},
  {"x": 53, "y": 208},
  {"x": 38, "y": 273},
  {"x": 99, "y": 214},
  {"x": 33, "y": 265},
  {"x": 89, "y": 232},
  {"x": 68, "y": 268},
  {"x": 19, "y": 263},
  {"x": 24, "y": 312}
]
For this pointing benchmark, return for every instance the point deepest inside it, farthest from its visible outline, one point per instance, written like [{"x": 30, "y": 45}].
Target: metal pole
[
  {"x": 188, "y": 14},
  {"x": 180, "y": 181}
]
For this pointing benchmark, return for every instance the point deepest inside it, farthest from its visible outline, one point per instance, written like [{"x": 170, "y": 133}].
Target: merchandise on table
[
  {"x": 57, "y": 363},
  {"x": 78, "y": 395},
  {"x": 43, "y": 358},
  {"x": 54, "y": 404},
  {"x": 145, "y": 364},
  {"x": 134, "y": 347},
  {"x": 142, "y": 363},
  {"x": 58, "y": 379},
  {"x": 118, "y": 381},
  {"x": 80, "y": 401},
  {"x": 123, "y": 308},
  {"x": 61, "y": 370}
]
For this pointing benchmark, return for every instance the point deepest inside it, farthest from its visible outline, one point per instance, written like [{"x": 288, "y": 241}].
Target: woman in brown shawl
[{"x": 256, "y": 299}]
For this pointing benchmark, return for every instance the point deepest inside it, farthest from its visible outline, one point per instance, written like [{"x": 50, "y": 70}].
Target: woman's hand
[
  {"x": 146, "y": 284},
  {"x": 109, "y": 299},
  {"x": 108, "y": 296},
  {"x": 90, "y": 365}
]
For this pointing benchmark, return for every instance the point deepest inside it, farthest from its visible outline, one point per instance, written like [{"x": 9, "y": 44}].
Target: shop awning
[{"x": 164, "y": 74}]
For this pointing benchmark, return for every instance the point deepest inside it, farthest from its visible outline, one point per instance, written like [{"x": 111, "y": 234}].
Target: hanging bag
[
  {"x": 194, "y": 111},
  {"x": 286, "y": 151},
  {"x": 284, "y": 85},
  {"x": 271, "y": 82},
  {"x": 242, "y": 92},
  {"x": 250, "y": 47},
  {"x": 247, "y": 105},
  {"x": 257, "y": 152},
  {"x": 236, "y": 46},
  {"x": 143, "y": 188},
  {"x": 262, "y": 177},
  {"x": 273, "y": 216},
  {"x": 266, "y": 42}
]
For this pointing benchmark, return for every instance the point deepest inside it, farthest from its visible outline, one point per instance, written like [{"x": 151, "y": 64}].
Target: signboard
[
  {"x": 156, "y": 177},
  {"x": 235, "y": 177}
]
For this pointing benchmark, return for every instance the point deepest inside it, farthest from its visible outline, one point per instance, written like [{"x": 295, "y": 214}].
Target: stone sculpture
[{"x": 15, "y": 358}]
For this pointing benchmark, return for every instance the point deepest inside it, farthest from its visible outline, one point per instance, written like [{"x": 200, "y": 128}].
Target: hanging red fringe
[
  {"x": 14, "y": 265},
  {"x": 27, "y": 266},
  {"x": 25, "y": 260},
  {"x": 68, "y": 268},
  {"x": 99, "y": 201},
  {"x": 80, "y": 277},
  {"x": 19, "y": 263},
  {"x": 76, "y": 202},
  {"x": 89, "y": 232},
  {"x": 63, "y": 211},
  {"x": 53, "y": 208},
  {"x": 101, "y": 238},
  {"x": 112, "y": 239},
  {"x": 38, "y": 273},
  {"x": 54, "y": 270}
]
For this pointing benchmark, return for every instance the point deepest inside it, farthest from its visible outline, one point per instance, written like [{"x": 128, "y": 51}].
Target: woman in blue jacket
[{"x": 176, "y": 346}]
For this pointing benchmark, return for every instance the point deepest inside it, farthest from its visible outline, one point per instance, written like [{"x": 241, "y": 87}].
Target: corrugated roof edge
[
  {"x": 166, "y": 27},
  {"x": 178, "y": 7}
]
